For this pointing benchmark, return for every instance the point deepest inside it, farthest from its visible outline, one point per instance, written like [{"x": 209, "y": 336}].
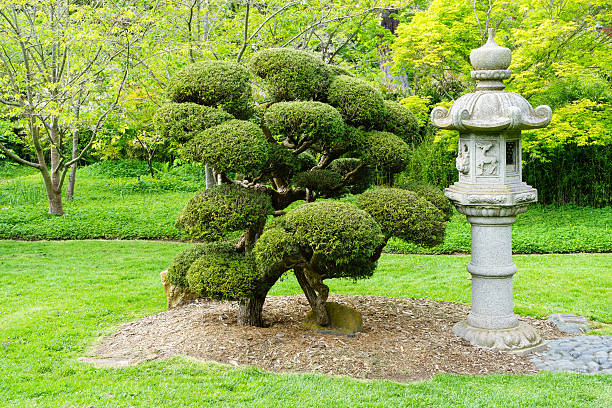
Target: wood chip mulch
[{"x": 403, "y": 340}]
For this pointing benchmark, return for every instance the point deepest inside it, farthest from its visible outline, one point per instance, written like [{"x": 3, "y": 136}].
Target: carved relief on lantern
[
  {"x": 463, "y": 159},
  {"x": 487, "y": 163}
]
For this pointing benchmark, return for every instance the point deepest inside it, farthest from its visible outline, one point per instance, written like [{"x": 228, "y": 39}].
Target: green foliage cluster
[
  {"x": 291, "y": 74},
  {"x": 303, "y": 122},
  {"x": 384, "y": 150},
  {"x": 214, "y": 212},
  {"x": 180, "y": 121},
  {"x": 359, "y": 102},
  {"x": 233, "y": 146},
  {"x": 177, "y": 271},
  {"x": 400, "y": 120},
  {"x": 219, "y": 84},
  {"x": 432, "y": 194},
  {"x": 326, "y": 183},
  {"x": 405, "y": 215},
  {"x": 364, "y": 178},
  {"x": 341, "y": 240},
  {"x": 223, "y": 276}
]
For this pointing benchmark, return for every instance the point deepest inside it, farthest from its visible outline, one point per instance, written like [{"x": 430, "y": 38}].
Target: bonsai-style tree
[{"x": 319, "y": 133}]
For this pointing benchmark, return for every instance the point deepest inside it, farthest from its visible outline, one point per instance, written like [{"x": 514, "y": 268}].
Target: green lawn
[
  {"x": 115, "y": 207},
  {"x": 60, "y": 296}
]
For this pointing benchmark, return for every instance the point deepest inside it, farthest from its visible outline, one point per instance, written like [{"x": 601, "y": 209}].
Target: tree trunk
[
  {"x": 73, "y": 168},
  {"x": 315, "y": 300},
  {"x": 250, "y": 311},
  {"x": 210, "y": 177},
  {"x": 54, "y": 191},
  {"x": 149, "y": 159},
  {"x": 55, "y": 204}
]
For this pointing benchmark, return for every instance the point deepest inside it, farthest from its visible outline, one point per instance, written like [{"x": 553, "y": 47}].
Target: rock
[
  {"x": 570, "y": 323},
  {"x": 175, "y": 295},
  {"x": 344, "y": 320}
]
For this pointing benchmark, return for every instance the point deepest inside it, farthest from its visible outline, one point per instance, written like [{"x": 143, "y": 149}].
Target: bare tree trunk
[
  {"x": 210, "y": 177},
  {"x": 316, "y": 300},
  {"x": 250, "y": 311},
  {"x": 73, "y": 168},
  {"x": 54, "y": 193}
]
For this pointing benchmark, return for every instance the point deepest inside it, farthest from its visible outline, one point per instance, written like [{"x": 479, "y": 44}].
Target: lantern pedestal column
[{"x": 492, "y": 322}]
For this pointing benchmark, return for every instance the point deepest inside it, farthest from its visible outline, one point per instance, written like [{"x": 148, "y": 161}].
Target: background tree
[
  {"x": 314, "y": 120},
  {"x": 56, "y": 76}
]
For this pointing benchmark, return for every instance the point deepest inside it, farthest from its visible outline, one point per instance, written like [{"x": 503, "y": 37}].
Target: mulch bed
[{"x": 403, "y": 340}]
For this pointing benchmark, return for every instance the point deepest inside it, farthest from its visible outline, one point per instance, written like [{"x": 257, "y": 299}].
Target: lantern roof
[{"x": 490, "y": 108}]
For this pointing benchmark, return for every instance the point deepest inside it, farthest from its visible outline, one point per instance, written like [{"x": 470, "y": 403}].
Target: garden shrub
[
  {"x": 177, "y": 271},
  {"x": 343, "y": 240},
  {"x": 302, "y": 122},
  {"x": 233, "y": 146},
  {"x": 384, "y": 151},
  {"x": 366, "y": 176},
  {"x": 404, "y": 214},
  {"x": 432, "y": 194},
  {"x": 180, "y": 121},
  {"x": 291, "y": 74},
  {"x": 214, "y": 212},
  {"x": 359, "y": 102},
  {"x": 219, "y": 84},
  {"x": 326, "y": 183},
  {"x": 223, "y": 276},
  {"x": 400, "y": 121}
]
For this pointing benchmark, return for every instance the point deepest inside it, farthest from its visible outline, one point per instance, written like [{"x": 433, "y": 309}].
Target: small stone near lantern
[{"x": 491, "y": 193}]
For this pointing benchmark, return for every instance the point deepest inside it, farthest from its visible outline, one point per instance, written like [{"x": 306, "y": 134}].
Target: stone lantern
[{"x": 490, "y": 192}]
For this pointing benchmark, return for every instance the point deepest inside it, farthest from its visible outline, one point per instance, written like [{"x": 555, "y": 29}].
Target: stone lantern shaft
[{"x": 491, "y": 193}]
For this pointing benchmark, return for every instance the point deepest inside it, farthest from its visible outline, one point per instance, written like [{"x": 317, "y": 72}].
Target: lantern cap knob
[{"x": 491, "y": 57}]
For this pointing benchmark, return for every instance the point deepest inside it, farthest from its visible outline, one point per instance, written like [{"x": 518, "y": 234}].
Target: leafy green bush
[
  {"x": 177, "y": 271},
  {"x": 302, "y": 122},
  {"x": 214, "y": 212},
  {"x": 223, "y": 276},
  {"x": 359, "y": 102},
  {"x": 233, "y": 146},
  {"x": 384, "y": 151},
  {"x": 432, "y": 194},
  {"x": 363, "y": 179},
  {"x": 219, "y": 84},
  {"x": 326, "y": 183},
  {"x": 399, "y": 120},
  {"x": 180, "y": 121},
  {"x": 291, "y": 74},
  {"x": 342, "y": 240},
  {"x": 404, "y": 214}
]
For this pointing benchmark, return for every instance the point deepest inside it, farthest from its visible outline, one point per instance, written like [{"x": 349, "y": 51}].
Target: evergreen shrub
[
  {"x": 219, "y": 84},
  {"x": 291, "y": 74},
  {"x": 214, "y": 212},
  {"x": 404, "y": 214}
]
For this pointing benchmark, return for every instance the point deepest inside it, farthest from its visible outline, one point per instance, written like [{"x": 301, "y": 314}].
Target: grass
[
  {"x": 120, "y": 207},
  {"x": 59, "y": 297}
]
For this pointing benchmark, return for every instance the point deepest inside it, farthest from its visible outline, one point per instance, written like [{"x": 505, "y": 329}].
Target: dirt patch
[{"x": 403, "y": 340}]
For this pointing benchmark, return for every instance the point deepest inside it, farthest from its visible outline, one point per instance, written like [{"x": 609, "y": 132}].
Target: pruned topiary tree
[{"x": 319, "y": 133}]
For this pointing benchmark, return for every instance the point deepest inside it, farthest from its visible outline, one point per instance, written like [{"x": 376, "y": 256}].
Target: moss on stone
[{"x": 344, "y": 320}]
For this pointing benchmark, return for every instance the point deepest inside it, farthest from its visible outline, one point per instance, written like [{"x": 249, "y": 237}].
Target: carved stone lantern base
[
  {"x": 521, "y": 337},
  {"x": 492, "y": 322}
]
